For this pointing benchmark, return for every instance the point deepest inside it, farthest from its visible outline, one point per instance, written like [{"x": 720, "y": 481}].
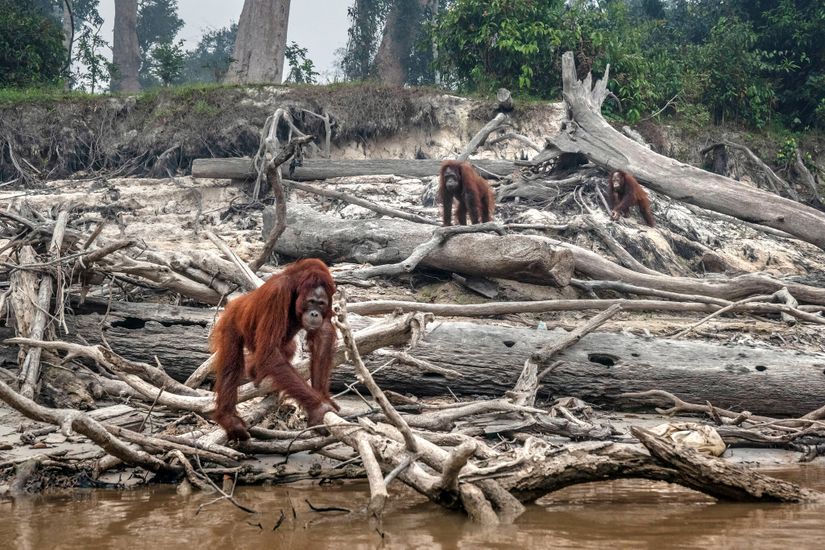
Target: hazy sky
[{"x": 318, "y": 25}]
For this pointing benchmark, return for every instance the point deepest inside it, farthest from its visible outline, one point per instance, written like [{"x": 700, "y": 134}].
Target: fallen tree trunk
[
  {"x": 602, "y": 365},
  {"x": 596, "y": 267},
  {"x": 320, "y": 169},
  {"x": 332, "y": 239},
  {"x": 591, "y": 461},
  {"x": 590, "y": 134},
  {"x": 489, "y": 359},
  {"x": 384, "y": 241},
  {"x": 30, "y": 372},
  {"x": 178, "y": 336}
]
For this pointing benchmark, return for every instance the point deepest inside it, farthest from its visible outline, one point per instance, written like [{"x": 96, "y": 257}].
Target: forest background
[{"x": 755, "y": 63}]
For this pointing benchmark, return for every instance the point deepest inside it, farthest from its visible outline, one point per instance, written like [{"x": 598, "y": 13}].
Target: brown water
[{"x": 622, "y": 514}]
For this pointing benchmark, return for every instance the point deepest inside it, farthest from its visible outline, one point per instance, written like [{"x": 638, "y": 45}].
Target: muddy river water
[{"x": 621, "y": 514}]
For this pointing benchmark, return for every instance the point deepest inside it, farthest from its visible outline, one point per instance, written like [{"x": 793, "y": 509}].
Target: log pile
[{"x": 107, "y": 337}]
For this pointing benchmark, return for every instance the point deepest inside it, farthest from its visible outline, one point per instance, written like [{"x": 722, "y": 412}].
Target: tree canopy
[
  {"x": 157, "y": 25},
  {"x": 755, "y": 62},
  {"x": 31, "y": 45},
  {"x": 210, "y": 59},
  {"x": 751, "y": 61}
]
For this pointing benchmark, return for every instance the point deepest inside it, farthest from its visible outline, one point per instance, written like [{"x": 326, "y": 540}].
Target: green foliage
[
  {"x": 518, "y": 44},
  {"x": 367, "y": 28},
  {"x": 31, "y": 46},
  {"x": 483, "y": 45},
  {"x": 47, "y": 8},
  {"x": 653, "y": 9},
  {"x": 787, "y": 154},
  {"x": 421, "y": 70},
  {"x": 366, "y": 19},
  {"x": 167, "y": 62},
  {"x": 792, "y": 32},
  {"x": 185, "y": 93},
  {"x": 301, "y": 69},
  {"x": 92, "y": 70},
  {"x": 157, "y": 24},
  {"x": 740, "y": 60},
  {"x": 612, "y": 36},
  {"x": 15, "y": 96},
  {"x": 734, "y": 67},
  {"x": 84, "y": 11},
  {"x": 819, "y": 113},
  {"x": 210, "y": 59}
]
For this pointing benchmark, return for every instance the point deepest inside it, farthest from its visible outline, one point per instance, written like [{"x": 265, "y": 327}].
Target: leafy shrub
[{"x": 31, "y": 46}]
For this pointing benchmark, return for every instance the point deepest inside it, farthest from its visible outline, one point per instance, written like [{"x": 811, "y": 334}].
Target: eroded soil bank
[{"x": 161, "y": 133}]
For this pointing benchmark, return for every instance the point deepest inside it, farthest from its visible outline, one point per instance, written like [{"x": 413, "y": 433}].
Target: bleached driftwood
[
  {"x": 319, "y": 169},
  {"x": 587, "y": 132},
  {"x": 330, "y": 238},
  {"x": 488, "y": 359},
  {"x": 388, "y": 241}
]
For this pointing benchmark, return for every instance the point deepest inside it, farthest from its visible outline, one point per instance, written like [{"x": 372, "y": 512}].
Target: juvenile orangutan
[
  {"x": 624, "y": 192},
  {"x": 460, "y": 181}
]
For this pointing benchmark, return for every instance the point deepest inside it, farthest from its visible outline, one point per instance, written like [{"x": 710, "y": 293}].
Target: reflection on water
[{"x": 622, "y": 514}]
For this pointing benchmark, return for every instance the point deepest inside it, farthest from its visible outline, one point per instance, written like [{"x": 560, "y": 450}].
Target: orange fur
[
  {"x": 265, "y": 322},
  {"x": 474, "y": 195},
  {"x": 629, "y": 194}
]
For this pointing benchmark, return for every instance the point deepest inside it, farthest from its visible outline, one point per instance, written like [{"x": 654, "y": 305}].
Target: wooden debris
[
  {"x": 538, "y": 431},
  {"x": 320, "y": 169}
]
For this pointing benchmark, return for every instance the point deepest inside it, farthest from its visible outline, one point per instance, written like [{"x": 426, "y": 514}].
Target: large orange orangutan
[{"x": 265, "y": 322}]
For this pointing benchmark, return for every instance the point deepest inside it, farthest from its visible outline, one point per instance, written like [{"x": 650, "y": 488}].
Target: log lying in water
[
  {"x": 319, "y": 169},
  {"x": 490, "y": 358}
]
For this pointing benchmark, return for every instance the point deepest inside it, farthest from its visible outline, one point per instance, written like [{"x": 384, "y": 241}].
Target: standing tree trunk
[
  {"x": 68, "y": 39},
  {"x": 125, "y": 52},
  {"x": 261, "y": 42},
  {"x": 400, "y": 31},
  {"x": 68, "y": 29}
]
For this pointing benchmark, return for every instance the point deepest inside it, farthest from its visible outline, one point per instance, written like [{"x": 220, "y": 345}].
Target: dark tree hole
[
  {"x": 761, "y": 368},
  {"x": 130, "y": 323},
  {"x": 509, "y": 343},
  {"x": 602, "y": 359},
  {"x": 134, "y": 323}
]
